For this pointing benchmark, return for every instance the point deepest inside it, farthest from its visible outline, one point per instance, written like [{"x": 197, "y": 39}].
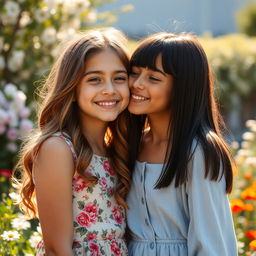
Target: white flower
[
  {"x": 16, "y": 60},
  {"x": 3, "y": 101},
  {"x": 235, "y": 145},
  {"x": 20, "y": 223},
  {"x": 12, "y": 147},
  {"x": 12, "y": 10},
  {"x": 248, "y": 136},
  {"x": 14, "y": 196},
  {"x": 25, "y": 126},
  {"x": 39, "y": 230},
  {"x": 3, "y": 117},
  {"x": 245, "y": 144},
  {"x": 91, "y": 17},
  {"x": 19, "y": 98},
  {"x": 1, "y": 43},
  {"x": 25, "y": 19},
  {"x": 42, "y": 14},
  {"x": 35, "y": 239},
  {"x": 10, "y": 90},
  {"x": 250, "y": 123},
  {"x": 10, "y": 235},
  {"x": 251, "y": 161},
  {"x": 2, "y": 62},
  {"x": 49, "y": 36}
]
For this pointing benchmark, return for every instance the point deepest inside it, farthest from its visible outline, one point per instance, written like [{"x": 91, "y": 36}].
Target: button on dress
[{"x": 191, "y": 220}]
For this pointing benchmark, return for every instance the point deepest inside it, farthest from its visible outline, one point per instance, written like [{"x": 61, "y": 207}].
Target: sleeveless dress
[{"x": 99, "y": 221}]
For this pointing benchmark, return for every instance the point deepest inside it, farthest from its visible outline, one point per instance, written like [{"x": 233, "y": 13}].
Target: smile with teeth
[
  {"x": 138, "y": 98},
  {"x": 107, "y": 104}
]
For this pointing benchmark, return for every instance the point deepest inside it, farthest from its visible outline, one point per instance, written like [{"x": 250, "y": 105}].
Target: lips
[
  {"x": 138, "y": 98},
  {"x": 107, "y": 103}
]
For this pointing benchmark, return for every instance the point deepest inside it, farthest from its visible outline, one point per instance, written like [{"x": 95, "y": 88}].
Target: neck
[
  {"x": 94, "y": 131},
  {"x": 159, "y": 124}
]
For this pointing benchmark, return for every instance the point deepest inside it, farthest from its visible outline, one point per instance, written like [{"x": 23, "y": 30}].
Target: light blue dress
[{"x": 191, "y": 220}]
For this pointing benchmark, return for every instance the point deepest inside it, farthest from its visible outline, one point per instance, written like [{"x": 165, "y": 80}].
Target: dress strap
[{"x": 67, "y": 139}]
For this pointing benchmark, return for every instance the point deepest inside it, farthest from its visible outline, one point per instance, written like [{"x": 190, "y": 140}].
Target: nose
[
  {"x": 109, "y": 88},
  {"x": 137, "y": 82}
]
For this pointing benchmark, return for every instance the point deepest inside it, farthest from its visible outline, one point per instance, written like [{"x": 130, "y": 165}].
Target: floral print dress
[{"x": 99, "y": 221}]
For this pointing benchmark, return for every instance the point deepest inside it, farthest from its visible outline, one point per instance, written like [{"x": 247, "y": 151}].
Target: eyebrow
[{"x": 100, "y": 72}]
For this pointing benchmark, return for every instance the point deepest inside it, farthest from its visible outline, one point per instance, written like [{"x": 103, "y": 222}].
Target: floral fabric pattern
[{"x": 99, "y": 221}]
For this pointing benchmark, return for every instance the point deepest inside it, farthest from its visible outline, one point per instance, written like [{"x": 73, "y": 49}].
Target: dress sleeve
[{"x": 211, "y": 230}]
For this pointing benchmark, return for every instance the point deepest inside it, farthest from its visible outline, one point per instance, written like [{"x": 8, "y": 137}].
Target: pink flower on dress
[
  {"x": 91, "y": 209},
  {"x": 103, "y": 183},
  {"x": 110, "y": 236},
  {"x": 79, "y": 183},
  {"x": 84, "y": 219},
  {"x": 91, "y": 236},
  {"x": 94, "y": 249},
  {"x": 118, "y": 215},
  {"x": 107, "y": 168},
  {"x": 115, "y": 248}
]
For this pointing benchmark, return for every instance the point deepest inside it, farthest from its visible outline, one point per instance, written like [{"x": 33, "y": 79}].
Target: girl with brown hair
[
  {"x": 182, "y": 167},
  {"x": 74, "y": 165}
]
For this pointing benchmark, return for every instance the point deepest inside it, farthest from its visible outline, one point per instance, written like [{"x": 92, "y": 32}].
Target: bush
[{"x": 246, "y": 19}]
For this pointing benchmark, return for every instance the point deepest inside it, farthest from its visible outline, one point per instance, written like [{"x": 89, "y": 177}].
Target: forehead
[{"x": 105, "y": 59}]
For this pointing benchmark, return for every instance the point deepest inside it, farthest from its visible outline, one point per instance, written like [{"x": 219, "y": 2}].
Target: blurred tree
[{"x": 246, "y": 19}]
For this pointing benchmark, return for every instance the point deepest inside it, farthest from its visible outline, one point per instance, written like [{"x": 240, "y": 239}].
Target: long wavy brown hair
[{"x": 57, "y": 112}]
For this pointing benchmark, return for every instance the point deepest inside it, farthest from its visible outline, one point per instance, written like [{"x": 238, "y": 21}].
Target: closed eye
[{"x": 154, "y": 79}]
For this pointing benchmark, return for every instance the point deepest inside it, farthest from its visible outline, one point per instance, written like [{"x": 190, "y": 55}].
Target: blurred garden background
[{"x": 30, "y": 30}]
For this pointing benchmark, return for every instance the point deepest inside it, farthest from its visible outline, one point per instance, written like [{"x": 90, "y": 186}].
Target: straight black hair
[{"x": 194, "y": 112}]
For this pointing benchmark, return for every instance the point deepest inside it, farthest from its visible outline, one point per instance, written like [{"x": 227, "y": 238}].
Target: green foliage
[
  {"x": 246, "y": 19},
  {"x": 233, "y": 58}
]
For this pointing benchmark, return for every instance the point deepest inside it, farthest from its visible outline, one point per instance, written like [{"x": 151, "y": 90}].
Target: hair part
[{"x": 194, "y": 112}]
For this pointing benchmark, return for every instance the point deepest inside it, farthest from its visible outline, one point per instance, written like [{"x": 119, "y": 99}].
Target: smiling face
[
  {"x": 103, "y": 92},
  {"x": 150, "y": 89}
]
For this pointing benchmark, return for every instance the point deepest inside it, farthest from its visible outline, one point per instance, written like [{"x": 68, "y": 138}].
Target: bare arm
[{"x": 53, "y": 172}]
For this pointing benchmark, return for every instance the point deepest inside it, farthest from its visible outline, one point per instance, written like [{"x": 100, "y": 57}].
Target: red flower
[
  {"x": 94, "y": 249},
  {"x": 91, "y": 236},
  {"x": 251, "y": 234},
  {"x": 91, "y": 209},
  {"x": 115, "y": 248},
  {"x": 79, "y": 183},
  {"x": 110, "y": 236},
  {"x": 118, "y": 215},
  {"x": 107, "y": 168},
  {"x": 103, "y": 183},
  {"x": 84, "y": 219},
  {"x": 6, "y": 173}
]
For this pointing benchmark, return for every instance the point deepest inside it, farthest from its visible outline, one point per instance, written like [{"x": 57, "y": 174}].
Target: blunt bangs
[{"x": 146, "y": 54}]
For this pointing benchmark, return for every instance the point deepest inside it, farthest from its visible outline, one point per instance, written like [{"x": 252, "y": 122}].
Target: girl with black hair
[{"x": 182, "y": 167}]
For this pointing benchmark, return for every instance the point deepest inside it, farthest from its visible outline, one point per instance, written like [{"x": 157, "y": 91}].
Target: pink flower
[
  {"x": 12, "y": 134},
  {"x": 110, "y": 236},
  {"x": 103, "y": 183},
  {"x": 94, "y": 249},
  {"x": 6, "y": 173},
  {"x": 26, "y": 126},
  {"x": 91, "y": 209},
  {"x": 118, "y": 215},
  {"x": 91, "y": 236},
  {"x": 79, "y": 183},
  {"x": 84, "y": 219},
  {"x": 115, "y": 248},
  {"x": 107, "y": 168}
]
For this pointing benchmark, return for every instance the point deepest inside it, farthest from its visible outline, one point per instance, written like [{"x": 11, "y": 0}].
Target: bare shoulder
[
  {"x": 55, "y": 147},
  {"x": 54, "y": 155}
]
